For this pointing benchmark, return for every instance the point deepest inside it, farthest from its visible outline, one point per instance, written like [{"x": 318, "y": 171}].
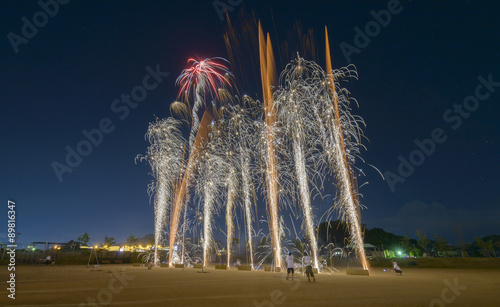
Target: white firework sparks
[
  {"x": 294, "y": 113},
  {"x": 241, "y": 140},
  {"x": 210, "y": 183},
  {"x": 340, "y": 136},
  {"x": 165, "y": 158},
  {"x": 312, "y": 134}
]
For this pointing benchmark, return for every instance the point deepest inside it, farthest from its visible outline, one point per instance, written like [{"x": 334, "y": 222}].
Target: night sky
[{"x": 415, "y": 79}]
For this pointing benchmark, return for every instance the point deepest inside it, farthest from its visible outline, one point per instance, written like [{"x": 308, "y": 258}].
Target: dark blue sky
[{"x": 65, "y": 77}]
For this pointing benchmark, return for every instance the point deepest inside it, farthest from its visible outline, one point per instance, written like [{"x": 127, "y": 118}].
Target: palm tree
[{"x": 423, "y": 242}]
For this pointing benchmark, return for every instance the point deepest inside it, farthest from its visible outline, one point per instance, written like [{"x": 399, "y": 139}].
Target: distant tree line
[{"x": 337, "y": 232}]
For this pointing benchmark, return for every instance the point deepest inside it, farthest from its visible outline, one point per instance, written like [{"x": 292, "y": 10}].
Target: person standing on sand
[
  {"x": 289, "y": 262},
  {"x": 397, "y": 269},
  {"x": 309, "y": 269}
]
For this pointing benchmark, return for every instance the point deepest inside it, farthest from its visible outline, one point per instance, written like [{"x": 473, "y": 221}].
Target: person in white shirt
[
  {"x": 289, "y": 261},
  {"x": 309, "y": 270},
  {"x": 396, "y": 268}
]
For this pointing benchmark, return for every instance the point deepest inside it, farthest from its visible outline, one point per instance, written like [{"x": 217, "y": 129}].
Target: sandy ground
[{"x": 125, "y": 285}]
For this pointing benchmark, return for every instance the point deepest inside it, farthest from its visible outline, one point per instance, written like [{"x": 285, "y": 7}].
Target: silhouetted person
[
  {"x": 309, "y": 268},
  {"x": 289, "y": 261},
  {"x": 396, "y": 268}
]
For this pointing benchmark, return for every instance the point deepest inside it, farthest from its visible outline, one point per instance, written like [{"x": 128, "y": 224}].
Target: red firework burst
[{"x": 207, "y": 73}]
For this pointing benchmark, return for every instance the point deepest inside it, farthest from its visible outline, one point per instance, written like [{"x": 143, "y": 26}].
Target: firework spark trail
[
  {"x": 161, "y": 209},
  {"x": 192, "y": 165},
  {"x": 190, "y": 250},
  {"x": 268, "y": 73},
  {"x": 339, "y": 151},
  {"x": 212, "y": 178},
  {"x": 306, "y": 198},
  {"x": 326, "y": 109},
  {"x": 265, "y": 249},
  {"x": 231, "y": 198},
  {"x": 202, "y": 77},
  {"x": 348, "y": 201},
  {"x": 224, "y": 142},
  {"x": 207, "y": 219},
  {"x": 247, "y": 204},
  {"x": 293, "y": 104},
  {"x": 196, "y": 122},
  {"x": 184, "y": 224},
  {"x": 241, "y": 140},
  {"x": 344, "y": 173},
  {"x": 165, "y": 158}
]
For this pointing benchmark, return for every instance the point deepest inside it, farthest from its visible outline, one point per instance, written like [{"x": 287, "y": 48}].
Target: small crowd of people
[
  {"x": 307, "y": 263},
  {"x": 309, "y": 271},
  {"x": 289, "y": 261}
]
